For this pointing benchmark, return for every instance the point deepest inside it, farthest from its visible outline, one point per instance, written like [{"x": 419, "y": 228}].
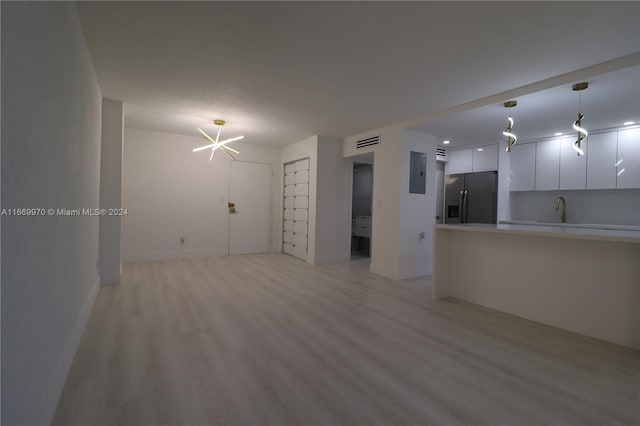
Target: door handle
[
  {"x": 461, "y": 214},
  {"x": 465, "y": 207}
]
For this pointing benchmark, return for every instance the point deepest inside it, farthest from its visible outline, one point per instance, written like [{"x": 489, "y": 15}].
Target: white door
[{"x": 250, "y": 193}]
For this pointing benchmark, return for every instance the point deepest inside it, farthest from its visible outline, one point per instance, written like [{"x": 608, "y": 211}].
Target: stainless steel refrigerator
[{"x": 471, "y": 198}]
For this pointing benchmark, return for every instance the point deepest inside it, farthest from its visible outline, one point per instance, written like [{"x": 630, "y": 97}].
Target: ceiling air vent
[
  {"x": 441, "y": 154},
  {"x": 364, "y": 143}
]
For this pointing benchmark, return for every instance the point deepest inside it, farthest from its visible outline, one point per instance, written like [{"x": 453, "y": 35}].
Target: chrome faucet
[{"x": 563, "y": 216}]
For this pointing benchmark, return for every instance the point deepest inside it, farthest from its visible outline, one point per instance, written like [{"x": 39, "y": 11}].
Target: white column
[
  {"x": 385, "y": 217},
  {"x": 111, "y": 191},
  {"x": 333, "y": 217},
  {"x": 416, "y": 211}
]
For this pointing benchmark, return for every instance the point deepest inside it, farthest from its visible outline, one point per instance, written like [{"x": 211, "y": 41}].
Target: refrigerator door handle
[
  {"x": 465, "y": 209},
  {"x": 461, "y": 204}
]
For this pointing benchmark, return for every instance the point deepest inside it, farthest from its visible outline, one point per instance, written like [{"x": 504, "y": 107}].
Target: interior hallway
[{"x": 267, "y": 339}]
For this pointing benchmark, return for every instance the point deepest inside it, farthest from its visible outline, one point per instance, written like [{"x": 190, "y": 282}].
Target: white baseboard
[
  {"x": 113, "y": 279},
  {"x": 400, "y": 274},
  {"x": 334, "y": 258},
  {"x": 179, "y": 254},
  {"x": 416, "y": 272},
  {"x": 385, "y": 271},
  {"x": 54, "y": 390}
]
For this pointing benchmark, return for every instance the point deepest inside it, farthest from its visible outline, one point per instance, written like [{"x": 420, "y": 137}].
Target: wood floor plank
[{"x": 270, "y": 340}]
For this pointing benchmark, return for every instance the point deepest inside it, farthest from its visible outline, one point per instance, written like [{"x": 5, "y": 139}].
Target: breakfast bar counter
[{"x": 581, "y": 279}]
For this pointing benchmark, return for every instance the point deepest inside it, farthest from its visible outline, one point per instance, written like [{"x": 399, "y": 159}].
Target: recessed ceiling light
[
  {"x": 629, "y": 123},
  {"x": 479, "y": 149},
  {"x": 446, "y": 142},
  {"x": 557, "y": 134}
]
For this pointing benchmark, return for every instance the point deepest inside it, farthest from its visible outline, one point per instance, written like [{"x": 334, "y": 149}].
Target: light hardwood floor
[{"x": 269, "y": 340}]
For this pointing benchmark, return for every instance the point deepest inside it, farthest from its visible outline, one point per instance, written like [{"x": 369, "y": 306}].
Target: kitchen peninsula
[{"x": 580, "y": 279}]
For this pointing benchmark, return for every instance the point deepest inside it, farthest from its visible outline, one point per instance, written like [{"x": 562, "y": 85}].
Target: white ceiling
[
  {"x": 610, "y": 100},
  {"x": 281, "y": 71}
]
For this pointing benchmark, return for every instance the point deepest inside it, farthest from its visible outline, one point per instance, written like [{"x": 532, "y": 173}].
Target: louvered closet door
[{"x": 296, "y": 208}]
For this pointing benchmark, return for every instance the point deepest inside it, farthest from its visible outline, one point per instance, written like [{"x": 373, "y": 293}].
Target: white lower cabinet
[
  {"x": 601, "y": 160},
  {"x": 363, "y": 226}
]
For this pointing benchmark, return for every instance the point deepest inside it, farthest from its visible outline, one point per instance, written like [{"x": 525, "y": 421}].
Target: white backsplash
[{"x": 608, "y": 206}]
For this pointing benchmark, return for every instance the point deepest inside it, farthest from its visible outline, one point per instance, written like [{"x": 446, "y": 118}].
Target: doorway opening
[{"x": 361, "y": 206}]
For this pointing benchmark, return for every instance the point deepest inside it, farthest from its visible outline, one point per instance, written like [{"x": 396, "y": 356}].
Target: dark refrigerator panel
[
  {"x": 471, "y": 198},
  {"x": 481, "y": 197},
  {"x": 454, "y": 193}
]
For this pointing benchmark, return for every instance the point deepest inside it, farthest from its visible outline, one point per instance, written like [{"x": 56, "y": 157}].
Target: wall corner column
[{"x": 110, "y": 265}]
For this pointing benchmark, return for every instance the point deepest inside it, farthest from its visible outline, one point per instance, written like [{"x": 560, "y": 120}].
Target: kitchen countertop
[
  {"x": 570, "y": 225},
  {"x": 555, "y": 231}
]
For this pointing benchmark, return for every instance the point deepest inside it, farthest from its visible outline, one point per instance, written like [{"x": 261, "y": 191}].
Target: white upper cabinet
[
  {"x": 548, "y": 165},
  {"x": 460, "y": 161},
  {"x": 485, "y": 158},
  {"x": 573, "y": 168},
  {"x": 601, "y": 160},
  {"x": 523, "y": 167},
  {"x": 479, "y": 159},
  {"x": 628, "y": 161},
  {"x": 611, "y": 160}
]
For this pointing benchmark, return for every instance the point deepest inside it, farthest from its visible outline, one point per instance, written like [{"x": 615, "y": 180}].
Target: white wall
[
  {"x": 385, "y": 220},
  {"x": 603, "y": 206},
  {"x": 333, "y": 214},
  {"x": 1, "y": 399},
  {"x": 111, "y": 191},
  {"x": 385, "y": 231},
  {"x": 171, "y": 192},
  {"x": 398, "y": 217},
  {"x": 50, "y": 159},
  {"x": 417, "y": 210}
]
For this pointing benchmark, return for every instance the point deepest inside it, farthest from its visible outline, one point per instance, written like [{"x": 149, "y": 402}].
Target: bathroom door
[{"x": 250, "y": 217}]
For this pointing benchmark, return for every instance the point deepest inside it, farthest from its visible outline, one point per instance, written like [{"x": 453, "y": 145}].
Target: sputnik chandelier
[
  {"x": 217, "y": 143},
  {"x": 508, "y": 132},
  {"x": 577, "y": 125}
]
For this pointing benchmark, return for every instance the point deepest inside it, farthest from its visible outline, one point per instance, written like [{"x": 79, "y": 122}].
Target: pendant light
[
  {"x": 217, "y": 143},
  {"x": 508, "y": 132},
  {"x": 577, "y": 125}
]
